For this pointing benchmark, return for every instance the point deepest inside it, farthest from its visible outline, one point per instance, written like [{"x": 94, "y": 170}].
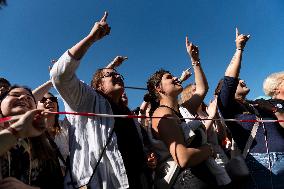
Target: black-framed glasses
[
  {"x": 112, "y": 74},
  {"x": 52, "y": 99}
]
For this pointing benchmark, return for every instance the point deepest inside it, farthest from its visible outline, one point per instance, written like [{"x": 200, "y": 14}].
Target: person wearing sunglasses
[
  {"x": 105, "y": 152},
  {"x": 28, "y": 160},
  {"x": 57, "y": 130}
]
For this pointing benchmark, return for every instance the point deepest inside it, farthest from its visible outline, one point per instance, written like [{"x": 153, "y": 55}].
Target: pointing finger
[
  {"x": 237, "y": 32},
  {"x": 186, "y": 41},
  {"x": 104, "y": 17}
]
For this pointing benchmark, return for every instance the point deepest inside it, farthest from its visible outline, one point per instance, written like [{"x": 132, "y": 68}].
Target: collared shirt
[{"x": 88, "y": 135}]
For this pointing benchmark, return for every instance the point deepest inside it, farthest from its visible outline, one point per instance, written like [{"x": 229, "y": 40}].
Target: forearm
[
  {"x": 200, "y": 81},
  {"x": 79, "y": 50},
  {"x": 111, "y": 65},
  {"x": 208, "y": 123},
  {"x": 233, "y": 70},
  {"x": 40, "y": 91},
  {"x": 189, "y": 157}
]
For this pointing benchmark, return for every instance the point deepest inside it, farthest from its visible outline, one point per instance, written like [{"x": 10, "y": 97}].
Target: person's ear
[
  {"x": 276, "y": 92},
  {"x": 159, "y": 89}
]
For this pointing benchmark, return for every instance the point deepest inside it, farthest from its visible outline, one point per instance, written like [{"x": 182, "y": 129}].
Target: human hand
[
  {"x": 151, "y": 160},
  {"x": 12, "y": 183},
  {"x": 117, "y": 61},
  {"x": 192, "y": 50},
  {"x": 185, "y": 75},
  {"x": 31, "y": 124},
  {"x": 241, "y": 40},
  {"x": 264, "y": 107},
  {"x": 100, "y": 29},
  {"x": 52, "y": 62}
]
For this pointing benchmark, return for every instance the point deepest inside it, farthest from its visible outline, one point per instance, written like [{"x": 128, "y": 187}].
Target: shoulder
[{"x": 160, "y": 115}]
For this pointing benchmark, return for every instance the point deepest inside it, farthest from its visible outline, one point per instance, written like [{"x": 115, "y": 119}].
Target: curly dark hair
[
  {"x": 97, "y": 77},
  {"x": 152, "y": 83}
]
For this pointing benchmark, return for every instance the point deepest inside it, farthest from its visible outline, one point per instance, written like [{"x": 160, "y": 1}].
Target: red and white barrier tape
[{"x": 12, "y": 118}]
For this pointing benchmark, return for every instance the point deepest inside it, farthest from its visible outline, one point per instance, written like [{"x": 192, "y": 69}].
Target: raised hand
[
  {"x": 192, "y": 50},
  {"x": 117, "y": 61},
  {"x": 241, "y": 40},
  {"x": 100, "y": 29},
  {"x": 31, "y": 124},
  {"x": 52, "y": 62},
  {"x": 152, "y": 160}
]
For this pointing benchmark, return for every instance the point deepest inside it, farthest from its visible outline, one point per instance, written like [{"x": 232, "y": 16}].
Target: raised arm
[
  {"x": 233, "y": 70},
  {"x": 200, "y": 80},
  {"x": 117, "y": 61},
  {"x": 99, "y": 30},
  {"x": 72, "y": 90},
  {"x": 41, "y": 90},
  {"x": 211, "y": 111}
]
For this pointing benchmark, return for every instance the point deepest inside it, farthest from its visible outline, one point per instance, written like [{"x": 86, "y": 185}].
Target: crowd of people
[{"x": 169, "y": 142}]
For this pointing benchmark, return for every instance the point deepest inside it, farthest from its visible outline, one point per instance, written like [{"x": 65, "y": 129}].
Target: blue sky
[{"x": 150, "y": 33}]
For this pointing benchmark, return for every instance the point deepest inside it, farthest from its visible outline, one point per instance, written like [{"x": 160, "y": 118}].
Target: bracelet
[
  {"x": 13, "y": 131},
  {"x": 240, "y": 49},
  {"x": 195, "y": 63}
]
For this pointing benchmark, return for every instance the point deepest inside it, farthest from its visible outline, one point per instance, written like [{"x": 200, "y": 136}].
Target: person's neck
[
  {"x": 279, "y": 97},
  {"x": 170, "y": 102},
  {"x": 240, "y": 97}
]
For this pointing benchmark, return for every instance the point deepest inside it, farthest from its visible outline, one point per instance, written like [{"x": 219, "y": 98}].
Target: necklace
[{"x": 176, "y": 112}]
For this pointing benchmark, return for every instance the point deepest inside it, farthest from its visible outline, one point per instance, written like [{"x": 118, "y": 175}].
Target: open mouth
[
  {"x": 49, "y": 107},
  {"x": 119, "y": 82},
  {"x": 177, "y": 82},
  {"x": 22, "y": 104}
]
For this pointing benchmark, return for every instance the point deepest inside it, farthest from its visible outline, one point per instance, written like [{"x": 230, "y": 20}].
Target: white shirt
[{"x": 88, "y": 135}]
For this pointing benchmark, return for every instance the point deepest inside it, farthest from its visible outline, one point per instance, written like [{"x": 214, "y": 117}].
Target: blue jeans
[{"x": 261, "y": 176}]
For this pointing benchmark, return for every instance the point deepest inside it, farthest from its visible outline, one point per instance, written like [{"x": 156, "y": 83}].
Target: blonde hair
[
  {"x": 186, "y": 93},
  {"x": 271, "y": 83}
]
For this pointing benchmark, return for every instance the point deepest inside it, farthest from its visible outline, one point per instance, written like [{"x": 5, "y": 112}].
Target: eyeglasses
[
  {"x": 52, "y": 99},
  {"x": 112, "y": 74}
]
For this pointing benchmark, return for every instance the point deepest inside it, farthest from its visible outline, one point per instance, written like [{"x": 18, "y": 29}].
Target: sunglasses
[
  {"x": 52, "y": 99},
  {"x": 112, "y": 74}
]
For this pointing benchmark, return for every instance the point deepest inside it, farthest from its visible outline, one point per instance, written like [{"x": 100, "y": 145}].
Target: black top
[
  {"x": 233, "y": 109},
  {"x": 43, "y": 174},
  {"x": 129, "y": 145}
]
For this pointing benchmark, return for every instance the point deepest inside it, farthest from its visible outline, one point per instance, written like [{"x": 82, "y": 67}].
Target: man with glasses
[{"x": 121, "y": 164}]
